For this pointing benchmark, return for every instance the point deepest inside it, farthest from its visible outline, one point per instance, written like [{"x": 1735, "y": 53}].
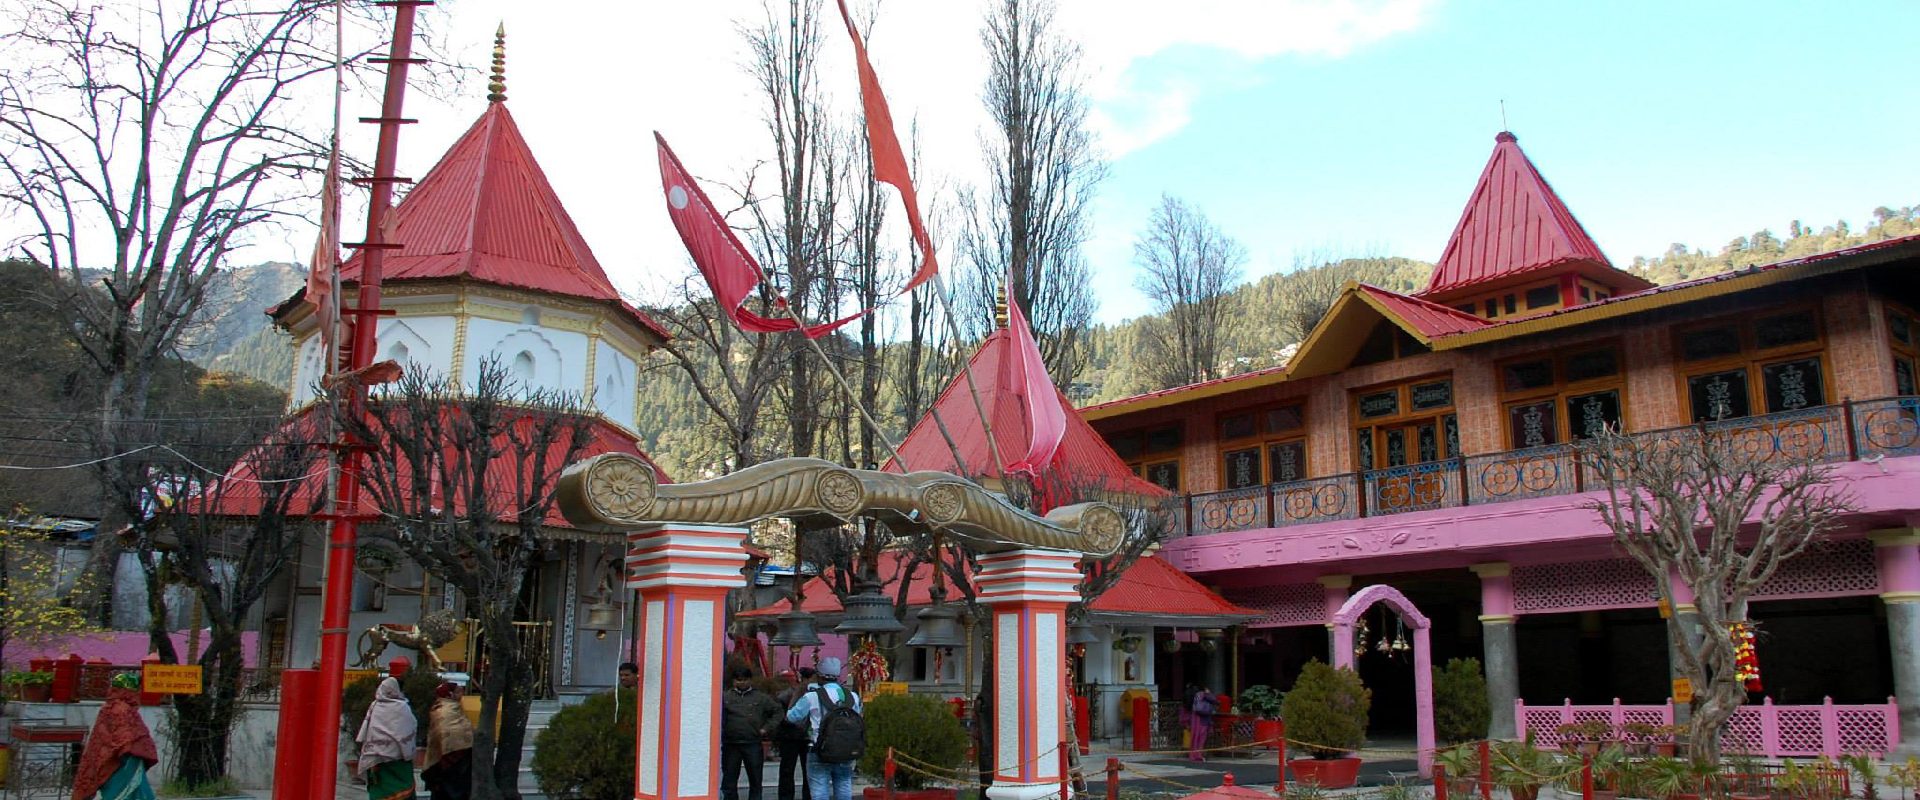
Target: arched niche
[{"x": 1343, "y": 655}]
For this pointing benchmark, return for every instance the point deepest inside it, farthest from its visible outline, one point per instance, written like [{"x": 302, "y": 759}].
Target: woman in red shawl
[{"x": 119, "y": 751}]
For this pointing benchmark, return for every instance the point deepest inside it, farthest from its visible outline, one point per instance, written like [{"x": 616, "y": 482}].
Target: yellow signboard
[
  {"x": 170, "y": 679},
  {"x": 884, "y": 688},
  {"x": 1682, "y": 690},
  {"x": 355, "y": 675}
]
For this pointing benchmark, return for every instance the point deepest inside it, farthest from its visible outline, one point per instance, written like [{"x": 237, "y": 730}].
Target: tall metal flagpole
[{"x": 351, "y": 455}]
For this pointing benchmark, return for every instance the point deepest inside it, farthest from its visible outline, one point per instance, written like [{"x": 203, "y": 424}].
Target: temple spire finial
[
  {"x": 497, "y": 84},
  {"x": 1000, "y": 309}
]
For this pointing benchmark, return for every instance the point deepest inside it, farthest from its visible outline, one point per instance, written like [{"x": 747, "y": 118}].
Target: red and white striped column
[
  {"x": 1028, "y": 591},
  {"x": 682, "y": 573}
]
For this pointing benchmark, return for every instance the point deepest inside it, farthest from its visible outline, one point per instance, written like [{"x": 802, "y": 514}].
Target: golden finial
[
  {"x": 497, "y": 85},
  {"x": 1000, "y": 309}
]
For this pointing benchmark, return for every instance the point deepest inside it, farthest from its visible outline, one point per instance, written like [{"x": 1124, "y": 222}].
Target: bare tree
[
  {"x": 1187, "y": 265},
  {"x": 1025, "y": 227},
  {"x": 467, "y": 483},
  {"x": 1706, "y": 509},
  {"x": 733, "y": 372},
  {"x": 227, "y": 538}
]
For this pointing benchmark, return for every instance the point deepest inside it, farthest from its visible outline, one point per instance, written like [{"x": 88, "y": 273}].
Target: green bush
[
  {"x": 1259, "y": 700},
  {"x": 1460, "y": 712},
  {"x": 919, "y": 727},
  {"x": 1327, "y": 707},
  {"x": 358, "y": 697},
  {"x": 586, "y": 751}
]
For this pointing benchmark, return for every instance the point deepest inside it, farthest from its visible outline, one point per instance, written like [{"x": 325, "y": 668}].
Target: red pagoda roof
[
  {"x": 486, "y": 213},
  {"x": 1515, "y": 224},
  {"x": 1083, "y": 456},
  {"x": 1150, "y": 587},
  {"x": 242, "y": 496}
]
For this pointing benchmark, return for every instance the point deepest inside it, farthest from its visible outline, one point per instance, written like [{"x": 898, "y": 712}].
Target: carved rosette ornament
[{"x": 620, "y": 492}]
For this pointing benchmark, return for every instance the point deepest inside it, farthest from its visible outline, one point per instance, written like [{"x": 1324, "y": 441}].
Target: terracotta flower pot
[
  {"x": 36, "y": 692},
  {"x": 1268, "y": 731},
  {"x": 1527, "y": 792},
  {"x": 1326, "y": 773}
]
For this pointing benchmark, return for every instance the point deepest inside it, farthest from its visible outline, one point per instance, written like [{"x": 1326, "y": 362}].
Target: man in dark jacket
[
  {"x": 747, "y": 716},
  {"x": 792, "y": 738}
]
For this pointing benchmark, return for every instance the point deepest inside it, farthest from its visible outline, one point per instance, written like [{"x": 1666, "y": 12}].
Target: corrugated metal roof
[
  {"x": 485, "y": 212},
  {"x": 1514, "y": 223},
  {"x": 1083, "y": 454},
  {"x": 1428, "y": 319}
]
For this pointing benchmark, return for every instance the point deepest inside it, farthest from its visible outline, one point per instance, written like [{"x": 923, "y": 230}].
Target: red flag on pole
[
  {"x": 1046, "y": 420},
  {"x": 889, "y": 162},
  {"x": 731, "y": 273},
  {"x": 323, "y": 269}
]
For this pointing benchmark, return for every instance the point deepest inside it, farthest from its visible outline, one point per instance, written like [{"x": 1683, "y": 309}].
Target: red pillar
[
  {"x": 1142, "y": 723},
  {"x": 293, "y": 743}
]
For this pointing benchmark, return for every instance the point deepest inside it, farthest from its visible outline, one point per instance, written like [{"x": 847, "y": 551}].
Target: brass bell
[
  {"x": 868, "y": 612},
  {"x": 602, "y": 617},
  {"x": 938, "y": 626},
  {"x": 1082, "y": 633},
  {"x": 795, "y": 630}
]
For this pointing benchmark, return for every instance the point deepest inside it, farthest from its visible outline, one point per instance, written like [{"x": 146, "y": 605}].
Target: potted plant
[
  {"x": 1521, "y": 766},
  {"x": 1583, "y": 738},
  {"x": 30, "y": 687},
  {"x": 916, "y": 727},
  {"x": 1611, "y": 769},
  {"x": 1327, "y": 711},
  {"x": 1668, "y": 778},
  {"x": 1666, "y": 739},
  {"x": 1263, "y": 704},
  {"x": 1462, "y": 767},
  {"x": 1127, "y": 644},
  {"x": 1639, "y": 736},
  {"x": 1460, "y": 710}
]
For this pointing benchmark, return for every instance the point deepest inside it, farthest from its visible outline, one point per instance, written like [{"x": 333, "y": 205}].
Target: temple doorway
[{"x": 1451, "y": 601}]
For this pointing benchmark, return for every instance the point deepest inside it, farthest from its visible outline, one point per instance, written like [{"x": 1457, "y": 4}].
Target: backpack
[{"x": 843, "y": 733}]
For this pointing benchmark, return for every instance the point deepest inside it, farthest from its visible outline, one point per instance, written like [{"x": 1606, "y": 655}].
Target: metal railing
[{"x": 1849, "y": 431}]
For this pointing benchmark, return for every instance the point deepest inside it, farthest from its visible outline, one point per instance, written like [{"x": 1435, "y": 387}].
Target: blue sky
[{"x": 1657, "y": 123}]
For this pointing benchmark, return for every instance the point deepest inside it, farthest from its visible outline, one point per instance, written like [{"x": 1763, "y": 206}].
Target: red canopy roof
[
  {"x": 1515, "y": 224},
  {"x": 1151, "y": 587},
  {"x": 242, "y": 496},
  {"x": 1082, "y": 454},
  {"x": 485, "y": 212},
  {"x": 1429, "y": 318}
]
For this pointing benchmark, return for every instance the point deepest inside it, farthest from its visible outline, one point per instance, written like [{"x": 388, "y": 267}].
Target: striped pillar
[
  {"x": 1028, "y": 591},
  {"x": 682, "y": 573}
]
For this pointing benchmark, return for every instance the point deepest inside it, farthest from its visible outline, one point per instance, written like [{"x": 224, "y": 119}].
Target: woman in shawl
[
  {"x": 449, "y": 774},
  {"x": 387, "y": 744},
  {"x": 118, "y": 753}
]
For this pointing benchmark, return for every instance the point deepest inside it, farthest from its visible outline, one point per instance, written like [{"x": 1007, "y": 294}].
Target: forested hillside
[{"x": 1269, "y": 315}]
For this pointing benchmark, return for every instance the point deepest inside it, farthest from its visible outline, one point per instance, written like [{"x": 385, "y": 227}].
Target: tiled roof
[
  {"x": 1083, "y": 455},
  {"x": 1430, "y": 319},
  {"x": 485, "y": 212},
  {"x": 1514, "y": 223}
]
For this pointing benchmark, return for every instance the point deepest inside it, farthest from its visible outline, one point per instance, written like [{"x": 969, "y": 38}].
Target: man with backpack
[{"x": 831, "y": 713}]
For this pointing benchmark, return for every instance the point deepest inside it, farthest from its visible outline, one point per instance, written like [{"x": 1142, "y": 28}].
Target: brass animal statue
[{"x": 425, "y": 637}]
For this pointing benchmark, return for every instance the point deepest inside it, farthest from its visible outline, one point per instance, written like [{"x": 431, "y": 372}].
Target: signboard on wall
[
  {"x": 170, "y": 679},
  {"x": 1682, "y": 690}
]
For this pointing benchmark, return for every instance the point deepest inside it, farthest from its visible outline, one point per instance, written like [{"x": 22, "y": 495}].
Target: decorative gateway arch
[
  {"x": 684, "y": 551},
  {"x": 1343, "y": 656}
]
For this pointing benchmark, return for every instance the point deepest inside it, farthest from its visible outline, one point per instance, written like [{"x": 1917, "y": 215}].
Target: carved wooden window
[
  {"x": 1263, "y": 445},
  {"x": 1768, "y": 361},
  {"x": 1407, "y": 423},
  {"x": 1152, "y": 453},
  {"x": 1560, "y": 397},
  {"x": 1903, "y": 335}
]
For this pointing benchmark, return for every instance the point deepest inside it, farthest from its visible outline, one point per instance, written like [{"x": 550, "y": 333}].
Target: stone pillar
[
  {"x": 1028, "y": 592},
  {"x": 682, "y": 573},
  {"x": 1897, "y": 552},
  {"x": 1499, "y": 655},
  {"x": 1334, "y": 590},
  {"x": 1216, "y": 680},
  {"x": 1686, "y": 617}
]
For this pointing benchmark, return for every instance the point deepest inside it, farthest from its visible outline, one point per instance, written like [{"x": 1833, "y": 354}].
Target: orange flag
[{"x": 889, "y": 163}]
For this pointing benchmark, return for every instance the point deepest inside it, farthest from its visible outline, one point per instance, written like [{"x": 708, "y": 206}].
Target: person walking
[
  {"x": 747, "y": 717},
  {"x": 119, "y": 751},
  {"x": 1205, "y": 703},
  {"x": 791, "y": 738},
  {"x": 386, "y": 740},
  {"x": 449, "y": 773},
  {"x": 838, "y": 734}
]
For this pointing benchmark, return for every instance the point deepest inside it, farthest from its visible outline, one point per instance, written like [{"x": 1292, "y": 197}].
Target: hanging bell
[
  {"x": 795, "y": 630},
  {"x": 868, "y": 611},
  {"x": 1082, "y": 633},
  {"x": 938, "y": 626},
  {"x": 602, "y": 617}
]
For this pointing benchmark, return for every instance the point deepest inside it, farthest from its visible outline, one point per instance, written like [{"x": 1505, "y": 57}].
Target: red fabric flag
[
  {"x": 323, "y": 269},
  {"x": 730, "y": 271},
  {"x": 889, "y": 162},
  {"x": 1046, "y": 420}
]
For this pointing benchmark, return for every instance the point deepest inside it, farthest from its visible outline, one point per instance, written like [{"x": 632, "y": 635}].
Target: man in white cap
[{"x": 831, "y": 713}]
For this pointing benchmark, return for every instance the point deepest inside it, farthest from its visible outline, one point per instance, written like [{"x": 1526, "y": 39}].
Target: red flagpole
[{"x": 344, "y": 534}]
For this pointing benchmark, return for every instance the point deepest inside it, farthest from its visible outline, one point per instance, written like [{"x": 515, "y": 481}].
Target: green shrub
[
  {"x": 417, "y": 684},
  {"x": 1460, "y": 712},
  {"x": 586, "y": 751},
  {"x": 1327, "y": 707},
  {"x": 1259, "y": 700},
  {"x": 917, "y": 726}
]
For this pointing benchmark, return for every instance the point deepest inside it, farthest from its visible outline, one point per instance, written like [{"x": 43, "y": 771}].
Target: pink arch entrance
[{"x": 1351, "y": 612}]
